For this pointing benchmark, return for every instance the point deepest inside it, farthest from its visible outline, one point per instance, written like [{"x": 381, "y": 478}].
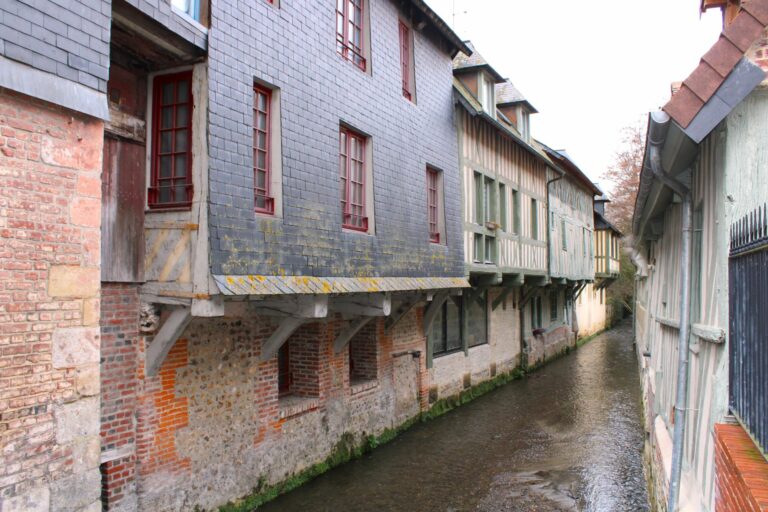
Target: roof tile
[
  {"x": 743, "y": 31},
  {"x": 722, "y": 56},
  {"x": 683, "y": 106},
  {"x": 758, "y": 9},
  {"x": 704, "y": 81}
]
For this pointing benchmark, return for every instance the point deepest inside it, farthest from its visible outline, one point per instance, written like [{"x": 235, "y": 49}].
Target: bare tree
[{"x": 624, "y": 175}]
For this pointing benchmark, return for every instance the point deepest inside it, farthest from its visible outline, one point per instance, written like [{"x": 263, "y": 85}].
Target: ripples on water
[{"x": 567, "y": 438}]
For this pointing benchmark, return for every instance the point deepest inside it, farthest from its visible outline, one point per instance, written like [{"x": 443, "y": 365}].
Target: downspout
[{"x": 656, "y": 137}]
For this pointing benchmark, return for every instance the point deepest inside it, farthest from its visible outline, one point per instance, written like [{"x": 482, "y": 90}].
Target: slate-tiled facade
[
  {"x": 67, "y": 39},
  {"x": 292, "y": 47}
]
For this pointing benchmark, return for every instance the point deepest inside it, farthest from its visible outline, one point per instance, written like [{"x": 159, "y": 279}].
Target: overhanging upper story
[
  {"x": 607, "y": 245},
  {"x": 503, "y": 182}
]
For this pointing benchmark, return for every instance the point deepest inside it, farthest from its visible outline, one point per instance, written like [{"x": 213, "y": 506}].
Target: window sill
[
  {"x": 161, "y": 209},
  {"x": 448, "y": 353},
  {"x": 359, "y": 386},
  {"x": 293, "y": 405}
]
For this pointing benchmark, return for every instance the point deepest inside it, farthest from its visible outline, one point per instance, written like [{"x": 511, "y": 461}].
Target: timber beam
[
  {"x": 364, "y": 304},
  {"x": 284, "y": 331},
  {"x": 349, "y": 332},
  {"x": 165, "y": 338},
  {"x": 485, "y": 280},
  {"x": 300, "y": 306},
  {"x": 526, "y": 296}
]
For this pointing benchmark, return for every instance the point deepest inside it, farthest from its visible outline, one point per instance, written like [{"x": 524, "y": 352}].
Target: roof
[
  {"x": 473, "y": 61},
  {"x": 571, "y": 168},
  {"x": 602, "y": 223},
  {"x": 722, "y": 60},
  {"x": 442, "y": 27},
  {"x": 281, "y": 285},
  {"x": 508, "y": 94},
  {"x": 467, "y": 100}
]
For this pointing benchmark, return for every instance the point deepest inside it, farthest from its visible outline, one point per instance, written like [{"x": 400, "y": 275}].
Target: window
[
  {"x": 191, "y": 8},
  {"x": 171, "y": 176},
  {"x": 553, "y": 305},
  {"x": 477, "y": 320},
  {"x": 262, "y": 156},
  {"x": 536, "y": 312},
  {"x": 535, "y": 219},
  {"x": 503, "y": 207},
  {"x": 445, "y": 333},
  {"x": 516, "y": 212},
  {"x": 433, "y": 201},
  {"x": 525, "y": 124},
  {"x": 478, "y": 248},
  {"x": 564, "y": 234},
  {"x": 284, "y": 370},
  {"x": 487, "y": 94},
  {"x": 485, "y": 212},
  {"x": 489, "y": 253},
  {"x": 349, "y": 31},
  {"x": 352, "y": 170},
  {"x": 406, "y": 60}
]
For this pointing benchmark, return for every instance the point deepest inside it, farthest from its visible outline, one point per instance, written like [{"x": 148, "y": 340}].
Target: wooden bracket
[
  {"x": 349, "y": 332},
  {"x": 403, "y": 309},
  {"x": 287, "y": 327},
  {"x": 433, "y": 309},
  {"x": 502, "y": 297},
  {"x": 165, "y": 338},
  {"x": 368, "y": 304}
]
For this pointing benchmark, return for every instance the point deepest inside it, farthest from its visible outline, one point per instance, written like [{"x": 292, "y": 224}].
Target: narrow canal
[{"x": 569, "y": 437}]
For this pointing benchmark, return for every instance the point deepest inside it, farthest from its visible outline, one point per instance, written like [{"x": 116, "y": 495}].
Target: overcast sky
[{"x": 589, "y": 68}]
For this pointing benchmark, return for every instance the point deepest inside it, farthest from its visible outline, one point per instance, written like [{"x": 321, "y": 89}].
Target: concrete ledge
[{"x": 54, "y": 89}]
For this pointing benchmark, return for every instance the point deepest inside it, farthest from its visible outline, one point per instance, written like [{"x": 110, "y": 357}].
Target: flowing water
[{"x": 568, "y": 437}]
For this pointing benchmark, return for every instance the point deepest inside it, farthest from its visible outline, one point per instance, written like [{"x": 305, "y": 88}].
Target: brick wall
[
  {"x": 363, "y": 354},
  {"x": 119, "y": 359},
  {"x": 741, "y": 472},
  {"x": 70, "y": 40},
  {"x": 50, "y": 188},
  {"x": 319, "y": 90}
]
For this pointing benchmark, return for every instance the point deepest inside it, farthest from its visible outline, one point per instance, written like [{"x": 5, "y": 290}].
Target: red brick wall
[
  {"x": 363, "y": 354},
  {"x": 50, "y": 189},
  {"x": 119, "y": 360},
  {"x": 741, "y": 472}
]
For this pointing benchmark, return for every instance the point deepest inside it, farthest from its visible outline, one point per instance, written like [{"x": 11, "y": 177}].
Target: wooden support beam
[
  {"x": 301, "y": 306},
  {"x": 287, "y": 327},
  {"x": 561, "y": 281},
  {"x": 208, "y": 308},
  {"x": 349, "y": 332},
  {"x": 433, "y": 309},
  {"x": 403, "y": 309},
  {"x": 502, "y": 297},
  {"x": 486, "y": 280},
  {"x": 165, "y": 338},
  {"x": 526, "y": 296},
  {"x": 368, "y": 304}
]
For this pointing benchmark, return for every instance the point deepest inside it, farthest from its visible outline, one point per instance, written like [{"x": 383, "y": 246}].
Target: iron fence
[{"x": 748, "y": 323}]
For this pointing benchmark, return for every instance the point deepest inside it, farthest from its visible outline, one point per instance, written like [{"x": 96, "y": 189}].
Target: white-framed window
[{"x": 487, "y": 93}]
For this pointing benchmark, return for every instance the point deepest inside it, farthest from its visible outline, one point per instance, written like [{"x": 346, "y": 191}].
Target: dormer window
[
  {"x": 524, "y": 124},
  {"x": 486, "y": 91}
]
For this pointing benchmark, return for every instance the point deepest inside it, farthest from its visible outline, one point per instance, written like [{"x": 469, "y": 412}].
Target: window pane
[
  {"x": 437, "y": 333},
  {"x": 165, "y": 166},
  {"x": 180, "y": 193},
  {"x": 261, "y": 159},
  {"x": 262, "y": 122},
  {"x": 180, "y": 165},
  {"x": 261, "y": 140},
  {"x": 477, "y": 320},
  {"x": 168, "y": 93},
  {"x": 182, "y": 92},
  {"x": 453, "y": 325},
  {"x": 165, "y": 142},
  {"x": 165, "y": 195},
  {"x": 167, "y": 115},
  {"x": 182, "y": 116},
  {"x": 181, "y": 141},
  {"x": 261, "y": 179}
]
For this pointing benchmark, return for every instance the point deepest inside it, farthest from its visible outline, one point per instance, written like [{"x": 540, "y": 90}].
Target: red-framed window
[
  {"x": 262, "y": 154},
  {"x": 349, "y": 31},
  {"x": 432, "y": 200},
  {"x": 352, "y": 172},
  {"x": 284, "y": 369},
  {"x": 171, "y": 176},
  {"x": 405, "y": 58}
]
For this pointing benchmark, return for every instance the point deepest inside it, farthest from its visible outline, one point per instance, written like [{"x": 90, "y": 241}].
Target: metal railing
[{"x": 748, "y": 324}]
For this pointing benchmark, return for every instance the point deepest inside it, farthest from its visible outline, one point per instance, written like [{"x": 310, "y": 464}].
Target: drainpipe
[{"x": 656, "y": 137}]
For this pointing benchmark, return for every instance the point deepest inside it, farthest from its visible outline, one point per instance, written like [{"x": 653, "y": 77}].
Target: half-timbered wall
[
  {"x": 658, "y": 318},
  {"x": 571, "y": 209},
  {"x": 483, "y": 150},
  {"x": 606, "y": 248}
]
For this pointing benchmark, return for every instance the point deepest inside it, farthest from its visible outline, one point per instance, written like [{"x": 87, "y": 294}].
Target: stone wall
[
  {"x": 50, "y": 210},
  {"x": 210, "y": 427}
]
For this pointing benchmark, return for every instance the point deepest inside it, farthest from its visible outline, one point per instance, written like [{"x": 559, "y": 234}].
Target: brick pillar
[
  {"x": 50, "y": 214},
  {"x": 119, "y": 368}
]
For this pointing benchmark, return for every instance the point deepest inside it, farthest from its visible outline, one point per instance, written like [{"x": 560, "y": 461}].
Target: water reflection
[{"x": 567, "y": 438}]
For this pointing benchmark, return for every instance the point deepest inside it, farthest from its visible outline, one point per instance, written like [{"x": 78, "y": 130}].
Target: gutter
[{"x": 657, "y": 134}]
